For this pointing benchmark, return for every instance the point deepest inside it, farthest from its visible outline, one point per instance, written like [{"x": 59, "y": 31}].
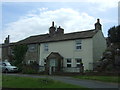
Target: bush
[
  {"x": 20, "y": 67},
  {"x": 109, "y": 67},
  {"x": 28, "y": 69},
  {"x": 86, "y": 71}
]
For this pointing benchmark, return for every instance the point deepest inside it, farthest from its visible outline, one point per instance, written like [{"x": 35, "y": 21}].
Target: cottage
[{"x": 59, "y": 51}]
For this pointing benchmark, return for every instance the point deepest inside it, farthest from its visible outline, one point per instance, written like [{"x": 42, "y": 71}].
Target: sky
[{"x": 23, "y": 19}]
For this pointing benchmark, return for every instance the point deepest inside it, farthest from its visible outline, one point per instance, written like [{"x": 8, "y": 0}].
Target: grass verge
[
  {"x": 29, "y": 82},
  {"x": 111, "y": 79}
]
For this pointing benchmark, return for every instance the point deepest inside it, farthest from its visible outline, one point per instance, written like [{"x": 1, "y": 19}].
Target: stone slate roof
[
  {"x": 54, "y": 55},
  {"x": 6, "y": 45},
  {"x": 69, "y": 36}
]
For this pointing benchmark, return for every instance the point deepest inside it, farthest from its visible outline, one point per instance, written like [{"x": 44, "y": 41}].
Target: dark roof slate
[
  {"x": 6, "y": 45},
  {"x": 54, "y": 54},
  {"x": 69, "y": 36}
]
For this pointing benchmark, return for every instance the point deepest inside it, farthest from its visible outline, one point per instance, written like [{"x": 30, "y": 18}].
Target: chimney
[
  {"x": 7, "y": 40},
  {"x": 52, "y": 29},
  {"x": 98, "y": 26},
  {"x": 53, "y": 24},
  {"x": 60, "y": 30}
]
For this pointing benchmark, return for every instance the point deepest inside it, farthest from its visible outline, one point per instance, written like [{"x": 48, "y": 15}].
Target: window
[
  {"x": 78, "y": 62},
  {"x": 31, "y": 47},
  {"x": 68, "y": 65},
  {"x": 77, "y": 65},
  {"x": 78, "y": 44},
  {"x": 11, "y": 51},
  {"x": 69, "y": 62},
  {"x": 31, "y": 61},
  {"x": 45, "y": 47}
]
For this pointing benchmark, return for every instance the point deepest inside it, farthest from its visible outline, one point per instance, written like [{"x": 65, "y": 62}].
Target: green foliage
[
  {"x": 109, "y": 67},
  {"x": 114, "y": 34},
  {"x": 19, "y": 54},
  {"x": 29, "y": 69},
  {"x": 107, "y": 63},
  {"x": 88, "y": 71}
]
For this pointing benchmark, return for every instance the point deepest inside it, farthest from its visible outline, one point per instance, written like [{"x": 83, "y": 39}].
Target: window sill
[{"x": 78, "y": 50}]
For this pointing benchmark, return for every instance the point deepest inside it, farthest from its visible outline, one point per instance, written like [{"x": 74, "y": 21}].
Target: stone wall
[{"x": 32, "y": 53}]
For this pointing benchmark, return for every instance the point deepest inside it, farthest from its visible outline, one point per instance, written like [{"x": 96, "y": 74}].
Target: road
[{"x": 86, "y": 83}]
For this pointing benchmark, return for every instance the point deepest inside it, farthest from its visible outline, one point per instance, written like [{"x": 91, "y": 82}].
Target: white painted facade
[
  {"x": 99, "y": 45},
  {"x": 92, "y": 49}
]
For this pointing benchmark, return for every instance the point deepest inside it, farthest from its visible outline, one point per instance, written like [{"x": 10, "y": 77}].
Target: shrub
[
  {"x": 28, "y": 69},
  {"x": 88, "y": 71},
  {"x": 109, "y": 67}
]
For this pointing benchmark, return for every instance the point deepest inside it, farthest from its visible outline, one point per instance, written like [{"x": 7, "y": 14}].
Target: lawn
[
  {"x": 111, "y": 79},
  {"x": 29, "y": 82}
]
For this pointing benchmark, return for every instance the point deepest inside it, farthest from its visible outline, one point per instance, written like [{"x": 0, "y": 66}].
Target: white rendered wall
[
  {"x": 67, "y": 50},
  {"x": 99, "y": 45}
]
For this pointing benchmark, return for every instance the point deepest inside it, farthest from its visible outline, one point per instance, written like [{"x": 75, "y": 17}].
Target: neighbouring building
[
  {"x": 65, "y": 51},
  {"x": 7, "y": 49}
]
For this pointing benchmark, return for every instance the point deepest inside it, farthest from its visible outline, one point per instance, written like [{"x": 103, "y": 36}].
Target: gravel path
[{"x": 86, "y": 83}]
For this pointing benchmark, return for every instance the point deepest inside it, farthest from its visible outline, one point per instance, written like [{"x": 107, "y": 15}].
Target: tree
[
  {"x": 109, "y": 61},
  {"x": 114, "y": 34},
  {"x": 118, "y": 33},
  {"x": 19, "y": 54}
]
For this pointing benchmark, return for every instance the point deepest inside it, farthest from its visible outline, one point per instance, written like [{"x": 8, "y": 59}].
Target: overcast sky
[{"x": 23, "y": 19}]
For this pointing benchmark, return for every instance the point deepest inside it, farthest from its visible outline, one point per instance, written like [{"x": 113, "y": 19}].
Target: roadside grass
[
  {"x": 110, "y": 79},
  {"x": 29, "y": 82}
]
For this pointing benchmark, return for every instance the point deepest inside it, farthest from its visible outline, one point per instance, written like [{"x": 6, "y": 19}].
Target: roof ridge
[
  {"x": 68, "y": 36},
  {"x": 80, "y": 31},
  {"x": 39, "y": 35},
  {"x": 64, "y": 34}
]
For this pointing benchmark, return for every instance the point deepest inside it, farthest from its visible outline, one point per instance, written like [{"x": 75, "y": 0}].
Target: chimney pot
[
  {"x": 53, "y": 24},
  {"x": 98, "y": 20}
]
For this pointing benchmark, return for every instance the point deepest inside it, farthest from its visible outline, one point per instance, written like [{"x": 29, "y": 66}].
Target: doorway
[{"x": 53, "y": 63}]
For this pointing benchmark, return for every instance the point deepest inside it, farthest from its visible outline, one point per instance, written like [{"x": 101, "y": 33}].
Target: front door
[{"x": 53, "y": 65}]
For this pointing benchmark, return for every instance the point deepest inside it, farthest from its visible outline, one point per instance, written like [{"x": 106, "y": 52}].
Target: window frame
[
  {"x": 29, "y": 61},
  {"x": 69, "y": 62},
  {"x": 46, "y": 47},
  {"x": 32, "y": 47},
  {"x": 78, "y": 63},
  {"x": 78, "y": 44},
  {"x": 69, "y": 66}
]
